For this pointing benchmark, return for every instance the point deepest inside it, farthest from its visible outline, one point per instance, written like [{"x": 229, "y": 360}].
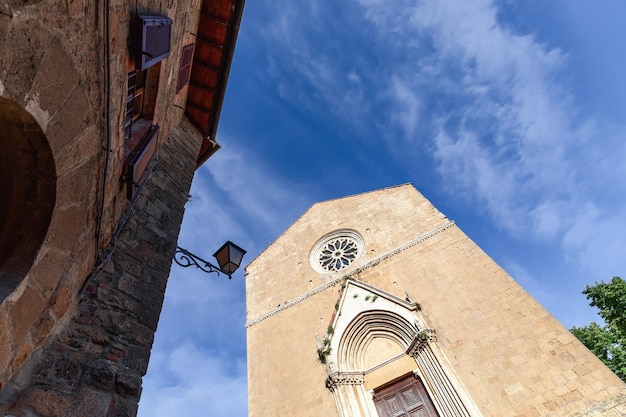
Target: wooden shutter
[
  {"x": 137, "y": 170},
  {"x": 152, "y": 40},
  {"x": 185, "y": 67}
]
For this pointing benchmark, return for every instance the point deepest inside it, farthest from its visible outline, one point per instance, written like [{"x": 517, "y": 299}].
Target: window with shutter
[
  {"x": 134, "y": 98},
  {"x": 139, "y": 162},
  {"x": 152, "y": 43},
  {"x": 140, "y": 126},
  {"x": 185, "y": 67}
]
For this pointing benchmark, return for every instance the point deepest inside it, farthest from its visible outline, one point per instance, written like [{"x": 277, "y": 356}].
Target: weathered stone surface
[
  {"x": 42, "y": 328},
  {"x": 101, "y": 374},
  {"x": 66, "y": 225},
  {"x": 63, "y": 301},
  {"x": 75, "y": 339},
  {"x": 5, "y": 344},
  {"x": 22, "y": 63},
  {"x": 24, "y": 312},
  {"x": 75, "y": 187},
  {"x": 70, "y": 121},
  {"x": 45, "y": 402},
  {"x": 57, "y": 78},
  {"x": 128, "y": 384},
  {"x": 511, "y": 358},
  {"x": 46, "y": 274}
]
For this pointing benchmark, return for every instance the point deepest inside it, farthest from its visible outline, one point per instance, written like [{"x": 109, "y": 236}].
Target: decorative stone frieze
[
  {"x": 446, "y": 225},
  {"x": 344, "y": 378}
]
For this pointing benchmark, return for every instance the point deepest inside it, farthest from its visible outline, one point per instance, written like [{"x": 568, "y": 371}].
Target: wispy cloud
[
  {"x": 194, "y": 383},
  {"x": 235, "y": 196},
  {"x": 507, "y": 131},
  {"x": 490, "y": 107},
  {"x": 198, "y": 363}
]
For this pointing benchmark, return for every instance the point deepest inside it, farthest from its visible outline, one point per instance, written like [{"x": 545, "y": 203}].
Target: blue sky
[{"x": 508, "y": 116}]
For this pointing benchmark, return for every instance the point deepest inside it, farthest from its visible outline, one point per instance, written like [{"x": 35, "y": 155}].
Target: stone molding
[
  {"x": 399, "y": 323},
  {"x": 422, "y": 339},
  {"x": 344, "y": 378},
  {"x": 448, "y": 224},
  {"x": 447, "y": 395}
]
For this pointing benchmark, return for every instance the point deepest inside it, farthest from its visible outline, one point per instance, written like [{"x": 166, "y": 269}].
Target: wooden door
[{"x": 405, "y": 397}]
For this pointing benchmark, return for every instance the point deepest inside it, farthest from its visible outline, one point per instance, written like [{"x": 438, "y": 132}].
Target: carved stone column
[{"x": 445, "y": 393}]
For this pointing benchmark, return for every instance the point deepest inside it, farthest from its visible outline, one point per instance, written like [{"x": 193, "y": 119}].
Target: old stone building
[
  {"x": 106, "y": 110},
  {"x": 378, "y": 305}
]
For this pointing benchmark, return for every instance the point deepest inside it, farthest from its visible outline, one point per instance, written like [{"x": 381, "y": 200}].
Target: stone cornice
[
  {"x": 422, "y": 338},
  {"x": 448, "y": 224},
  {"x": 344, "y": 378}
]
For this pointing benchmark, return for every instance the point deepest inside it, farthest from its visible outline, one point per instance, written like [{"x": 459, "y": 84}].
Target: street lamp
[{"x": 228, "y": 257}]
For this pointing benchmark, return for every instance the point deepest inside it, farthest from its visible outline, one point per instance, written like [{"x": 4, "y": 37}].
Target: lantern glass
[{"x": 229, "y": 257}]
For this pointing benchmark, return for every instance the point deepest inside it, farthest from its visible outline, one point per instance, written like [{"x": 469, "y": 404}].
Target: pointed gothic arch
[
  {"x": 378, "y": 337},
  {"x": 363, "y": 332}
]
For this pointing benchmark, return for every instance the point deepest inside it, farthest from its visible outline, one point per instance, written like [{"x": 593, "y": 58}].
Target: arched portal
[
  {"x": 383, "y": 360},
  {"x": 27, "y": 192}
]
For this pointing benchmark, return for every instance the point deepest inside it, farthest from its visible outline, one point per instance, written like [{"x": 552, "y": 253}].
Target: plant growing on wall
[
  {"x": 326, "y": 349},
  {"x": 423, "y": 336},
  {"x": 322, "y": 353}
]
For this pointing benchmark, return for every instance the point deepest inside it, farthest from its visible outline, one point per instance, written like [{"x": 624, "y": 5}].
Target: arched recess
[
  {"x": 368, "y": 328},
  {"x": 373, "y": 332},
  {"x": 27, "y": 192}
]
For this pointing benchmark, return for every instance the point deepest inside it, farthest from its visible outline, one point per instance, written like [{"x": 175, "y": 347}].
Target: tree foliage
[{"x": 607, "y": 342}]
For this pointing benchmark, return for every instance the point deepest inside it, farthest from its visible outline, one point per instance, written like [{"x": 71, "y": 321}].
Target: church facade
[{"x": 379, "y": 305}]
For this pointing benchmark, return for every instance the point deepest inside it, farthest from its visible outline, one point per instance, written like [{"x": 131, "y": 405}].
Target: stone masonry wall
[
  {"x": 512, "y": 357},
  {"x": 56, "y": 76},
  {"x": 95, "y": 365},
  {"x": 53, "y": 60}
]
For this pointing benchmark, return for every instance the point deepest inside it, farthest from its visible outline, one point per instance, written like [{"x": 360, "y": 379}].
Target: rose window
[
  {"x": 336, "y": 251},
  {"x": 338, "y": 254}
]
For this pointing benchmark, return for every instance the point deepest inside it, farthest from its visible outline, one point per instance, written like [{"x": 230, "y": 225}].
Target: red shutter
[
  {"x": 185, "y": 67},
  {"x": 152, "y": 43},
  {"x": 137, "y": 170}
]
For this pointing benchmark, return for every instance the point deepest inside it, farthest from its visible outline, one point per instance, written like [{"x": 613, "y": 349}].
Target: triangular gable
[{"x": 321, "y": 206}]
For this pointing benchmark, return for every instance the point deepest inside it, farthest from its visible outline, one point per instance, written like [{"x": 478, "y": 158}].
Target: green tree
[{"x": 607, "y": 342}]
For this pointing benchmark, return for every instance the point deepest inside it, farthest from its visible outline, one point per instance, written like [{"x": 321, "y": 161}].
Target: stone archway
[
  {"x": 378, "y": 339},
  {"x": 27, "y": 192}
]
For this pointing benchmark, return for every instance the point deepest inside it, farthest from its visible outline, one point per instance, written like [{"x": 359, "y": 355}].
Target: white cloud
[
  {"x": 494, "y": 109},
  {"x": 194, "y": 383},
  {"x": 407, "y": 109},
  {"x": 509, "y": 134},
  {"x": 197, "y": 366},
  {"x": 597, "y": 242},
  {"x": 253, "y": 190}
]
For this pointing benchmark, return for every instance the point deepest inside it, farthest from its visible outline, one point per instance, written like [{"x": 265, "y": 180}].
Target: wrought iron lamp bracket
[{"x": 186, "y": 259}]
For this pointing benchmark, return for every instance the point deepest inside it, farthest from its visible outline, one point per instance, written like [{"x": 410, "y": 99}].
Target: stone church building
[
  {"x": 379, "y": 305},
  {"x": 107, "y": 108}
]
